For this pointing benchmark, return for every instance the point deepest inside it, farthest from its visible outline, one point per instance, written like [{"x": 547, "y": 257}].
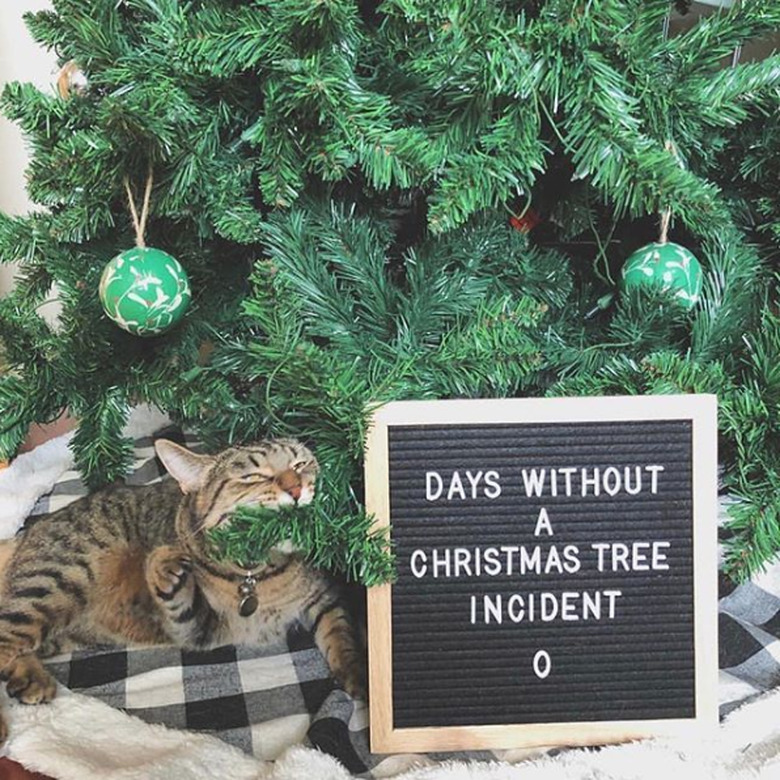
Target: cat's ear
[{"x": 187, "y": 468}]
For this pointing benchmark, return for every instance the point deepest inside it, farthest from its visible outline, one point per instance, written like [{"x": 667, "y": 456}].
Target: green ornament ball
[
  {"x": 145, "y": 291},
  {"x": 669, "y": 266}
]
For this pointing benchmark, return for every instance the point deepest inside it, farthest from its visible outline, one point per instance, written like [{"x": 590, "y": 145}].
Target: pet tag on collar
[{"x": 248, "y": 604}]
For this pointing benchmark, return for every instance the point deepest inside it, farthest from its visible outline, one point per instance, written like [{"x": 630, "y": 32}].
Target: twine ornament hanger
[
  {"x": 666, "y": 215},
  {"x": 139, "y": 222},
  {"x": 666, "y": 218},
  {"x": 144, "y": 290}
]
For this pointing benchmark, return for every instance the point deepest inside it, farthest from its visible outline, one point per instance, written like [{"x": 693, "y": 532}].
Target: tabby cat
[{"x": 131, "y": 565}]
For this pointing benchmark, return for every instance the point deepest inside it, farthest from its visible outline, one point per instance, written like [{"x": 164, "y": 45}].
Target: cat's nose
[{"x": 290, "y": 482}]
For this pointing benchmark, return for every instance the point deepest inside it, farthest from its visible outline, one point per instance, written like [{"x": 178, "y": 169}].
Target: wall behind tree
[{"x": 21, "y": 59}]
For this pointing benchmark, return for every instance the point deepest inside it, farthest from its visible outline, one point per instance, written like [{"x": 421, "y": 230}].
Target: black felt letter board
[{"x": 546, "y": 573}]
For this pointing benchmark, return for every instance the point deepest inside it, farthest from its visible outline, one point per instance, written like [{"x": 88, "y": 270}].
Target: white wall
[{"x": 21, "y": 59}]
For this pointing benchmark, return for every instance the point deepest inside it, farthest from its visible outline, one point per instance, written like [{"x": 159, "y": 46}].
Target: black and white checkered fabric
[
  {"x": 260, "y": 699},
  {"x": 749, "y": 638},
  {"x": 264, "y": 699}
]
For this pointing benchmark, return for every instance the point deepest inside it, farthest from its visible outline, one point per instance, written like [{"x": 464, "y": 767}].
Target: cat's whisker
[{"x": 193, "y": 533}]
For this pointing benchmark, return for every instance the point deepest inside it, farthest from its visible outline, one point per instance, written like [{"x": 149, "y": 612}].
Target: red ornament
[{"x": 527, "y": 222}]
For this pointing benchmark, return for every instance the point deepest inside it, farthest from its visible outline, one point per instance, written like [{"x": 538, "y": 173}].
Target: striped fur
[{"x": 129, "y": 565}]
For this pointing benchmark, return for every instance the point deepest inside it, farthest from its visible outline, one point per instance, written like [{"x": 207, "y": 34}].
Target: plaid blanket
[
  {"x": 263, "y": 700},
  {"x": 749, "y": 638}
]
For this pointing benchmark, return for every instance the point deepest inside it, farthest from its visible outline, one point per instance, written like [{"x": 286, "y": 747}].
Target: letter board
[{"x": 556, "y": 571}]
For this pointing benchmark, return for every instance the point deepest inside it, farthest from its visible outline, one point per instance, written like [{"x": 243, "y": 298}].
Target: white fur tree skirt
[{"x": 79, "y": 738}]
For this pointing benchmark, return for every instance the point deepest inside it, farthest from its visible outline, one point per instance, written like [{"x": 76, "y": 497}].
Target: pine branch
[
  {"x": 341, "y": 543},
  {"x": 725, "y": 98},
  {"x": 101, "y": 453}
]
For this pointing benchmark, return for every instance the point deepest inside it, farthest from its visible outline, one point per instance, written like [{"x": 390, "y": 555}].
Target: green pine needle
[{"x": 345, "y": 544}]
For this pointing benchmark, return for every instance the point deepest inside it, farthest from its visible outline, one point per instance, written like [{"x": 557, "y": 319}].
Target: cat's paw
[
  {"x": 29, "y": 682},
  {"x": 168, "y": 570}
]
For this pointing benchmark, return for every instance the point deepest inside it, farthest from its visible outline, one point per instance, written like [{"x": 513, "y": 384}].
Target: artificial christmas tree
[{"x": 337, "y": 179}]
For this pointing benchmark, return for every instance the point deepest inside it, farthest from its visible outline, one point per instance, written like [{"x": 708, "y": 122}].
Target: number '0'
[{"x": 542, "y": 664}]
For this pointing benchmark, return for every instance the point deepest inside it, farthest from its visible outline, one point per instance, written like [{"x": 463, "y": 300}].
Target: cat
[{"x": 132, "y": 565}]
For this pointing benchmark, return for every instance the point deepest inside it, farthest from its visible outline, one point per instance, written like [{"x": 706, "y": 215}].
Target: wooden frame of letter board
[{"x": 702, "y": 411}]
